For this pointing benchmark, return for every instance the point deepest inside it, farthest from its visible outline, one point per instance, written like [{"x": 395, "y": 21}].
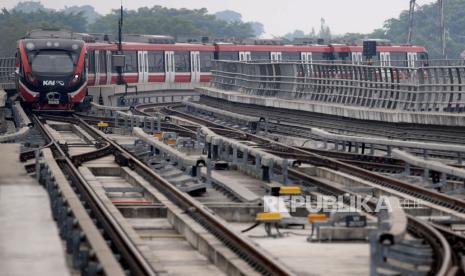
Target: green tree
[
  {"x": 229, "y": 16},
  {"x": 175, "y": 22},
  {"x": 24, "y": 22},
  {"x": 426, "y": 30}
]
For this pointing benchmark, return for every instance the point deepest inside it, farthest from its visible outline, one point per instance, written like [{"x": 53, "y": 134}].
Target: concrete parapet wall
[
  {"x": 155, "y": 93},
  {"x": 392, "y": 116}
]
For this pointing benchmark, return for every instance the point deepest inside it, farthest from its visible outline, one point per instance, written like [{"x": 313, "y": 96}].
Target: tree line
[
  {"x": 426, "y": 30},
  {"x": 29, "y": 15},
  {"x": 160, "y": 20}
]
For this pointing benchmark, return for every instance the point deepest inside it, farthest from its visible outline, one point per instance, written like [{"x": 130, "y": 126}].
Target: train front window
[{"x": 56, "y": 62}]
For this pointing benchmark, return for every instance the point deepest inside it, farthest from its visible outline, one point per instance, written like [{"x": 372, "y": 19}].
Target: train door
[
  {"x": 97, "y": 67},
  {"x": 195, "y": 66},
  {"x": 385, "y": 59},
  {"x": 411, "y": 59},
  {"x": 143, "y": 66},
  {"x": 356, "y": 58},
  {"x": 306, "y": 57},
  {"x": 276, "y": 56},
  {"x": 245, "y": 56},
  {"x": 108, "y": 67},
  {"x": 169, "y": 66}
]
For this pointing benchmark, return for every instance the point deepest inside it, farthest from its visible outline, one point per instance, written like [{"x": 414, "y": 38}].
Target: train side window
[
  {"x": 182, "y": 62},
  {"x": 317, "y": 57},
  {"x": 344, "y": 56},
  {"x": 156, "y": 62},
  {"x": 424, "y": 58},
  {"x": 206, "y": 61},
  {"x": 130, "y": 62},
  {"x": 328, "y": 56},
  {"x": 91, "y": 57},
  {"x": 399, "y": 59},
  {"x": 290, "y": 56},
  {"x": 102, "y": 62},
  {"x": 228, "y": 56},
  {"x": 260, "y": 55},
  {"x": 113, "y": 67}
]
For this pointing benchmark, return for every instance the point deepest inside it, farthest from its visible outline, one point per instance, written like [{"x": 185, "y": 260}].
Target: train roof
[
  {"x": 133, "y": 46},
  {"x": 391, "y": 48},
  {"x": 51, "y": 44}
]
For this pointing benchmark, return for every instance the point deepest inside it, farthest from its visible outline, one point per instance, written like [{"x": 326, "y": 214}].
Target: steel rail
[
  {"x": 333, "y": 122},
  {"x": 316, "y": 159},
  {"x": 443, "y": 261},
  {"x": 440, "y": 245},
  {"x": 244, "y": 248},
  {"x": 131, "y": 256}
]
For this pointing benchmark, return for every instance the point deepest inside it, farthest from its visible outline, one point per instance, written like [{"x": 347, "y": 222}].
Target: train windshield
[{"x": 52, "y": 62}]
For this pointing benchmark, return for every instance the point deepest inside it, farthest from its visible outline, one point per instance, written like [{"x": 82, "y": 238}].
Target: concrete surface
[
  {"x": 312, "y": 258},
  {"x": 29, "y": 240},
  {"x": 393, "y": 116}
]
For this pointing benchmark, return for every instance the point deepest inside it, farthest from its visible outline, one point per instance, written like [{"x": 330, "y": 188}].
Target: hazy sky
[{"x": 278, "y": 16}]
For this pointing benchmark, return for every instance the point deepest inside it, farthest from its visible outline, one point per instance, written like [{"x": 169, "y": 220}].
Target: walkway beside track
[{"x": 29, "y": 239}]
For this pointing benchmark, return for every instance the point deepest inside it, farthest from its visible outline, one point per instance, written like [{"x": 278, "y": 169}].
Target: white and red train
[
  {"x": 181, "y": 62},
  {"x": 74, "y": 64}
]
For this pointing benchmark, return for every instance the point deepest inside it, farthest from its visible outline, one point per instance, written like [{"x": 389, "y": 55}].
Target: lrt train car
[
  {"x": 159, "y": 59},
  {"x": 51, "y": 73},
  {"x": 150, "y": 59},
  {"x": 54, "y": 68},
  {"x": 386, "y": 54}
]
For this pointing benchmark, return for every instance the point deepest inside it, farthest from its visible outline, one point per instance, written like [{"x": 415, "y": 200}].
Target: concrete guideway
[
  {"x": 22, "y": 123},
  {"x": 428, "y": 164},
  {"x": 111, "y": 95},
  {"x": 222, "y": 113},
  {"x": 29, "y": 239},
  {"x": 345, "y": 88},
  {"x": 389, "y": 142},
  {"x": 392, "y": 116}
]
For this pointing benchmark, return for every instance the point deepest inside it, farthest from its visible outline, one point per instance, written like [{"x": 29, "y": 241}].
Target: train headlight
[
  {"x": 30, "y": 46},
  {"x": 75, "y": 80}
]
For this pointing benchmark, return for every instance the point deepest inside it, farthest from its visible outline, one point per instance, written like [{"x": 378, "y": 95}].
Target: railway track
[
  {"x": 319, "y": 160},
  {"x": 285, "y": 120},
  {"x": 447, "y": 245},
  {"x": 130, "y": 257}
]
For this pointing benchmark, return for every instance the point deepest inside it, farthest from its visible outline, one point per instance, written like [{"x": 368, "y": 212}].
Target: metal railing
[
  {"x": 7, "y": 71},
  {"x": 418, "y": 89}
]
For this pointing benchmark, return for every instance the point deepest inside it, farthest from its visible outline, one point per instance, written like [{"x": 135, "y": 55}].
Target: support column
[
  {"x": 234, "y": 155},
  {"x": 407, "y": 169},
  {"x": 209, "y": 172},
  {"x": 285, "y": 172},
  {"x": 152, "y": 125},
  {"x": 426, "y": 175},
  {"x": 198, "y": 135},
  {"x": 159, "y": 123},
  {"x": 257, "y": 166},
  {"x": 116, "y": 119}
]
